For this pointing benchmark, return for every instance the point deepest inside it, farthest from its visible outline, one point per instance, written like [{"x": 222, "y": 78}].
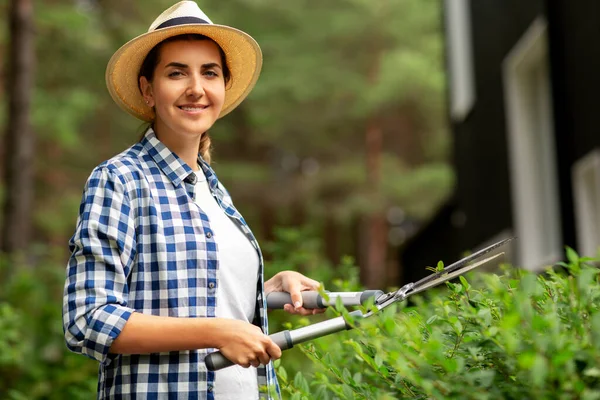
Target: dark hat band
[{"x": 181, "y": 21}]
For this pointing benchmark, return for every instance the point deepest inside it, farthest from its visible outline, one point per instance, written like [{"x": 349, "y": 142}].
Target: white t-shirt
[{"x": 236, "y": 291}]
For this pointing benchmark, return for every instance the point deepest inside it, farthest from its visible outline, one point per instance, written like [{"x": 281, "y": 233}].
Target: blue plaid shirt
[{"x": 142, "y": 244}]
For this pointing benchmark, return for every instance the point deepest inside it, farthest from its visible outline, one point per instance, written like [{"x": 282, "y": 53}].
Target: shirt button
[
  {"x": 191, "y": 178},
  {"x": 211, "y": 285},
  {"x": 209, "y": 235}
]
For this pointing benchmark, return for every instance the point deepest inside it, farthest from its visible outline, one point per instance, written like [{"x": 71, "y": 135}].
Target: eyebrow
[{"x": 185, "y": 66}]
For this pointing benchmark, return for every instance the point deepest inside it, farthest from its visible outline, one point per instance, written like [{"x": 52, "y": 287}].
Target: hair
[{"x": 152, "y": 60}]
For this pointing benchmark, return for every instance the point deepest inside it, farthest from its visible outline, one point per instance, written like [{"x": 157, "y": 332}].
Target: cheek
[
  {"x": 165, "y": 95},
  {"x": 219, "y": 94}
]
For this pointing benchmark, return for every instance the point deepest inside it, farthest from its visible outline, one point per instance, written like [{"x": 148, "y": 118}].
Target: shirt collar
[
  {"x": 210, "y": 175},
  {"x": 170, "y": 164}
]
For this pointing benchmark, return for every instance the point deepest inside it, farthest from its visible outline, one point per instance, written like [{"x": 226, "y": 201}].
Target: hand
[
  {"x": 245, "y": 344},
  {"x": 293, "y": 283}
]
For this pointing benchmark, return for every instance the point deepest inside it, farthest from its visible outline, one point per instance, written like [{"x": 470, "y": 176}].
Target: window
[
  {"x": 586, "y": 189},
  {"x": 459, "y": 58},
  {"x": 536, "y": 215}
]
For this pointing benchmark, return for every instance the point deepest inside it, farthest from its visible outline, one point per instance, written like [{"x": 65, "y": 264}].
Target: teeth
[{"x": 192, "y": 108}]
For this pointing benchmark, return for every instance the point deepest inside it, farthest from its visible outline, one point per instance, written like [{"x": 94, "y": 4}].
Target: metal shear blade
[
  {"x": 452, "y": 271},
  {"x": 413, "y": 288}
]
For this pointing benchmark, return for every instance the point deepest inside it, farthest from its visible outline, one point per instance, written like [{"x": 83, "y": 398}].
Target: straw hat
[{"x": 243, "y": 54}]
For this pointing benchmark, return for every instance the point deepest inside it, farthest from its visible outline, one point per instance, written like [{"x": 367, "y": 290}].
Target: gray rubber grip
[
  {"x": 283, "y": 339},
  {"x": 216, "y": 361},
  {"x": 310, "y": 299},
  {"x": 286, "y": 339}
]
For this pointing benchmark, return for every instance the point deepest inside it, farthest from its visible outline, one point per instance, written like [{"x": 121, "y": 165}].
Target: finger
[
  {"x": 310, "y": 284},
  {"x": 304, "y": 311},
  {"x": 289, "y": 308},
  {"x": 273, "y": 351},
  {"x": 294, "y": 290},
  {"x": 263, "y": 358}
]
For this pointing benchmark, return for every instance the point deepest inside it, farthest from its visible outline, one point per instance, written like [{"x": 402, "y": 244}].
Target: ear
[{"x": 146, "y": 89}]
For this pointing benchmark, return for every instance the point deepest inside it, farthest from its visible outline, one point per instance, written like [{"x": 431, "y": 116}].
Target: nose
[{"x": 195, "y": 88}]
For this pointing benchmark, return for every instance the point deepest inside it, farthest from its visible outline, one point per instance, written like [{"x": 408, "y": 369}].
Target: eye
[
  {"x": 175, "y": 74},
  {"x": 211, "y": 73}
]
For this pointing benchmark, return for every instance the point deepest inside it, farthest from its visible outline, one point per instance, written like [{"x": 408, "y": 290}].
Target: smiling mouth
[{"x": 193, "y": 109}]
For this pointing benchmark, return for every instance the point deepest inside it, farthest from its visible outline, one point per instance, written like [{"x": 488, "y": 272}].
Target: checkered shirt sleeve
[{"x": 103, "y": 249}]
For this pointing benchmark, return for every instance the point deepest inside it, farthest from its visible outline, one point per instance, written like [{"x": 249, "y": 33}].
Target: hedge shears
[{"x": 288, "y": 338}]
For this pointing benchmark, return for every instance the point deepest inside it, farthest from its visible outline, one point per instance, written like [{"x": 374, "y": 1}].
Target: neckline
[{"x": 200, "y": 175}]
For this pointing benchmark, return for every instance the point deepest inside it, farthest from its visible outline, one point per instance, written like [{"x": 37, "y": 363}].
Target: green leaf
[
  {"x": 301, "y": 383},
  {"x": 485, "y": 315},
  {"x": 348, "y": 392},
  {"x": 440, "y": 266},
  {"x": 390, "y": 325},
  {"x": 464, "y": 282},
  {"x": 529, "y": 285},
  {"x": 458, "y": 326},
  {"x": 347, "y": 376},
  {"x": 484, "y": 378},
  {"x": 282, "y": 374},
  {"x": 572, "y": 255},
  {"x": 456, "y": 288}
]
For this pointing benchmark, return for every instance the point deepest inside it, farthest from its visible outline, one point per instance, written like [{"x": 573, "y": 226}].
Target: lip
[{"x": 193, "y": 108}]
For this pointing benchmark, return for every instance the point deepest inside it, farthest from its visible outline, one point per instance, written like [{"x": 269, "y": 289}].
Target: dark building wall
[
  {"x": 574, "y": 32},
  {"x": 481, "y": 207},
  {"x": 438, "y": 241},
  {"x": 481, "y": 147},
  {"x": 575, "y": 57},
  {"x": 480, "y": 141}
]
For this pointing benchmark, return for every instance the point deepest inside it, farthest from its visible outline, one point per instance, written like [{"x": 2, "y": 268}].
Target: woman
[{"x": 164, "y": 270}]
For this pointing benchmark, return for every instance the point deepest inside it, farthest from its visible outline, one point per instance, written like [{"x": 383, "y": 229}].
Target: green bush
[
  {"x": 515, "y": 336},
  {"x": 34, "y": 361}
]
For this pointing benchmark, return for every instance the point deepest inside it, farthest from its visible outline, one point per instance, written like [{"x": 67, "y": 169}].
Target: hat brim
[{"x": 244, "y": 59}]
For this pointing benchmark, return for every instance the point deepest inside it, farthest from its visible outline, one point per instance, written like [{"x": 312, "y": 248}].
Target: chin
[{"x": 196, "y": 129}]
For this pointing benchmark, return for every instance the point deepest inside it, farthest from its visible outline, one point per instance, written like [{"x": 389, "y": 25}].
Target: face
[{"x": 187, "y": 90}]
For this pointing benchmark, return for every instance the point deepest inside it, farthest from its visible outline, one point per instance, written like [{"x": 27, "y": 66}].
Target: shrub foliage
[{"x": 513, "y": 335}]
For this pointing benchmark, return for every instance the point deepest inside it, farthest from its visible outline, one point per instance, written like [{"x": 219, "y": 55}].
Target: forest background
[{"x": 342, "y": 149}]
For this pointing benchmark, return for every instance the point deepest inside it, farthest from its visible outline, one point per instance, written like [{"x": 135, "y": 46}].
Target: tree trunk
[
  {"x": 19, "y": 145},
  {"x": 374, "y": 276}
]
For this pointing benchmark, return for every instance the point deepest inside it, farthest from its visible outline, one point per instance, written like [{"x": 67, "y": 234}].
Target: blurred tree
[
  {"x": 296, "y": 151},
  {"x": 72, "y": 114},
  {"x": 19, "y": 147}
]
